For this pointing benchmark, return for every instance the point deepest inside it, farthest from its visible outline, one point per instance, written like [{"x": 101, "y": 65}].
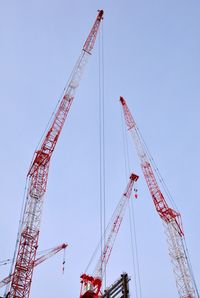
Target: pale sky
[{"x": 151, "y": 57}]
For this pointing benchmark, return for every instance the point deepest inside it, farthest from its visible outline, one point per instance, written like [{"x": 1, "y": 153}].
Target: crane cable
[
  {"x": 102, "y": 145},
  {"x": 102, "y": 205},
  {"x": 64, "y": 261},
  {"x": 132, "y": 223}
]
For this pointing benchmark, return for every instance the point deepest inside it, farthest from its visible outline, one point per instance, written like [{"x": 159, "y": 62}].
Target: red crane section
[
  {"x": 43, "y": 155},
  {"x": 161, "y": 205},
  {"x": 48, "y": 254},
  {"x": 38, "y": 175},
  {"x": 91, "y": 285},
  {"x": 185, "y": 282}
]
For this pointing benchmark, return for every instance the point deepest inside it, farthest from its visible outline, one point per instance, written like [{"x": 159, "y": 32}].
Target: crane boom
[
  {"x": 91, "y": 285},
  {"x": 172, "y": 219},
  {"x": 38, "y": 175},
  {"x": 48, "y": 254}
]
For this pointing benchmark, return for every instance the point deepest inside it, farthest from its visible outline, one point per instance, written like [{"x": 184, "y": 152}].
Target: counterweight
[
  {"x": 38, "y": 175},
  {"x": 172, "y": 219}
]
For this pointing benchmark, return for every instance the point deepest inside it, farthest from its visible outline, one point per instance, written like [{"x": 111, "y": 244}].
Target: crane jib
[
  {"x": 91, "y": 285},
  {"x": 184, "y": 278},
  {"x": 38, "y": 176}
]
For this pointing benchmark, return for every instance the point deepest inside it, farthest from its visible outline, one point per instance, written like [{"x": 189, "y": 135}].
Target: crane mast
[
  {"x": 91, "y": 285},
  {"x": 172, "y": 219},
  {"x": 48, "y": 254},
  {"x": 38, "y": 175}
]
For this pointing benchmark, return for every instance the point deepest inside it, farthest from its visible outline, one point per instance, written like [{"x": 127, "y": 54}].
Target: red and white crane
[
  {"x": 172, "y": 219},
  {"x": 38, "y": 175},
  {"x": 91, "y": 285},
  {"x": 46, "y": 255}
]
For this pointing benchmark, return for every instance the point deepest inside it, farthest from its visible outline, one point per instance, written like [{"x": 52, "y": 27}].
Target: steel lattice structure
[
  {"x": 119, "y": 289},
  {"x": 91, "y": 285},
  {"x": 185, "y": 282},
  {"x": 38, "y": 175}
]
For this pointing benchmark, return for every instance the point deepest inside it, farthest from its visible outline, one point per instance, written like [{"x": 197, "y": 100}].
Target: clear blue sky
[{"x": 151, "y": 57}]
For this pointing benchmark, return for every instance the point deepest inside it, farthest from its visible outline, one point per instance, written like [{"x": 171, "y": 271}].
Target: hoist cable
[
  {"x": 100, "y": 151},
  {"x": 132, "y": 224},
  {"x": 132, "y": 251},
  {"x": 103, "y": 140},
  {"x": 136, "y": 249},
  {"x": 102, "y": 144},
  {"x": 102, "y": 205},
  {"x": 127, "y": 172}
]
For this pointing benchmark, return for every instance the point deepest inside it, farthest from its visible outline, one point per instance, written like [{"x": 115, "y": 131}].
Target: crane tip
[
  {"x": 64, "y": 245},
  {"x": 134, "y": 177},
  {"x": 101, "y": 12},
  {"x": 122, "y": 100}
]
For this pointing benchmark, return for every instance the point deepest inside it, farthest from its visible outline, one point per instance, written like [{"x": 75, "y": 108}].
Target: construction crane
[
  {"x": 46, "y": 255},
  {"x": 172, "y": 219},
  {"x": 91, "y": 285},
  {"x": 38, "y": 175}
]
